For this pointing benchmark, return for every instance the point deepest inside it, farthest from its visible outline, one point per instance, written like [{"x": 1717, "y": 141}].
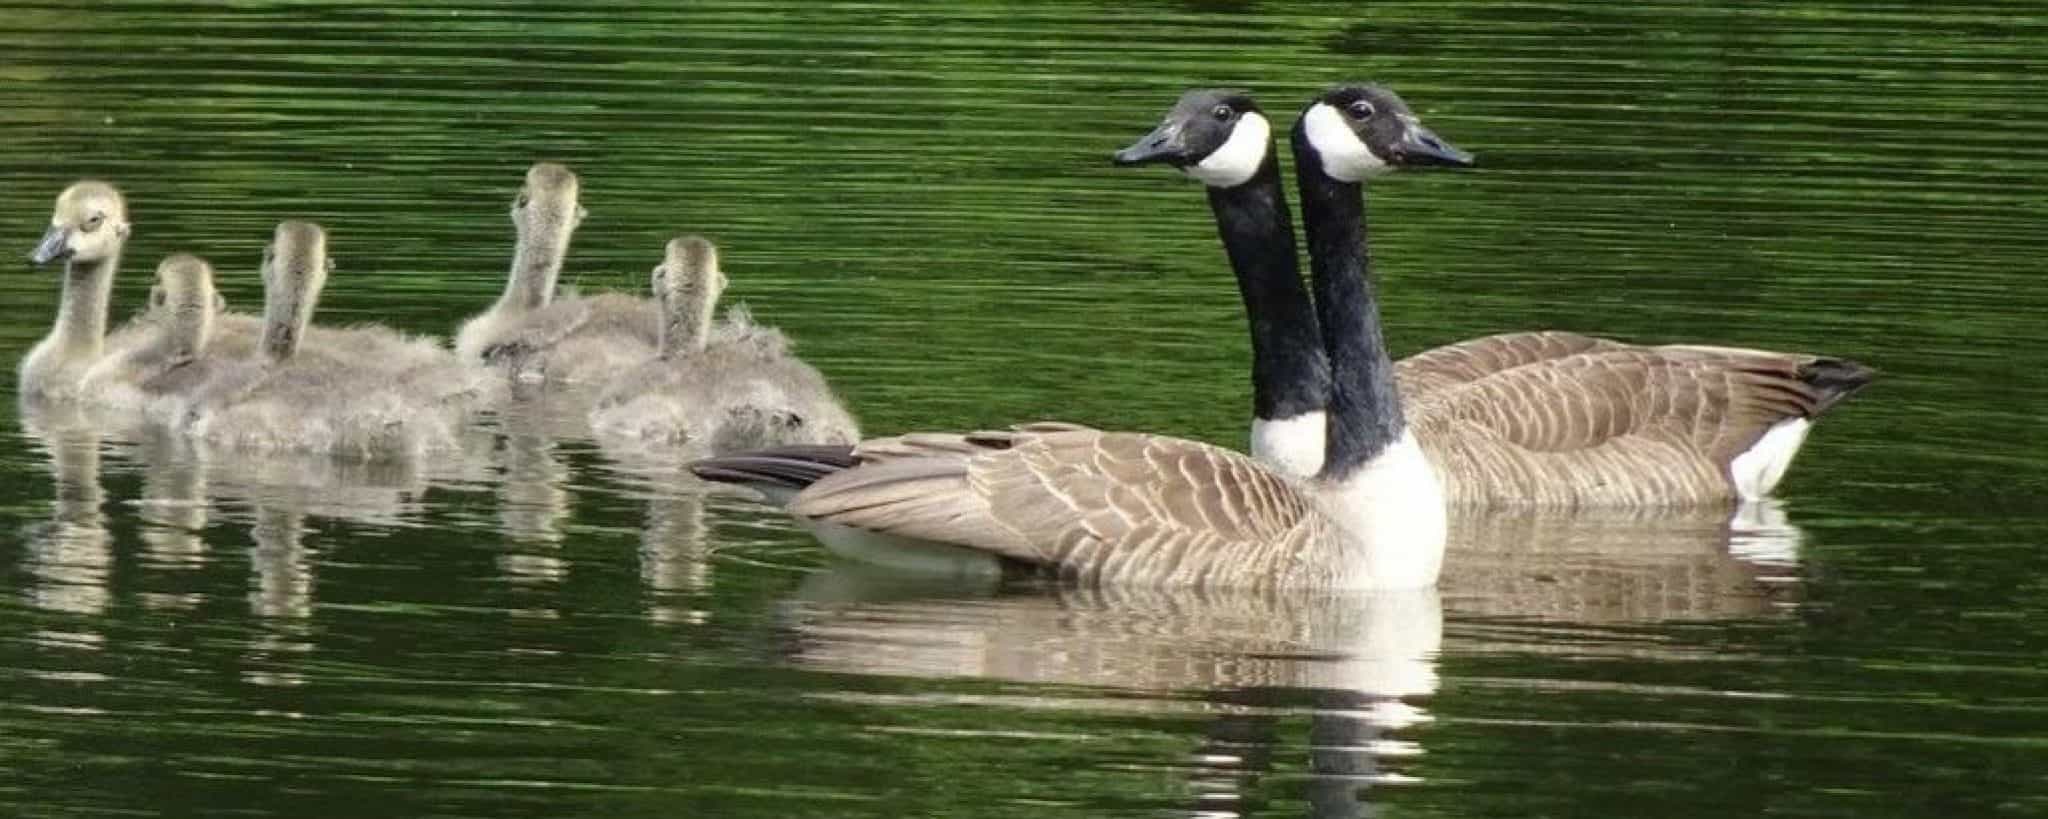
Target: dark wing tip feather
[
  {"x": 1835, "y": 379},
  {"x": 795, "y": 466}
]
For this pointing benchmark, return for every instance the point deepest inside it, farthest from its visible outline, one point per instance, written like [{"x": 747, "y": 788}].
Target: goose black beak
[
  {"x": 1421, "y": 147},
  {"x": 1164, "y": 144},
  {"x": 55, "y": 246}
]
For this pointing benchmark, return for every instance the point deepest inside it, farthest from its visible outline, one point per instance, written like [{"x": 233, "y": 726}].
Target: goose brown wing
[
  {"x": 1464, "y": 362},
  {"x": 1618, "y": 426},
  {"x": 1090, "y": 504}
]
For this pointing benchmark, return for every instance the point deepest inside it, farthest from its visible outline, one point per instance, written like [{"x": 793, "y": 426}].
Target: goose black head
[
  {"x": 89, "y": 224},
  {"x": 1361, "y": 131},
  {"x": 1218, "y": 137}
]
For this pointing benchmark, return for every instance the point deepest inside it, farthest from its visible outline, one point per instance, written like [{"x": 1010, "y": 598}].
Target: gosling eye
[
  {"x": 93, "y": 223},
  {"x": 520, "y": 202},
  {"x": 1221, "y": 112},
  {"x": 1360, "y": 110}
]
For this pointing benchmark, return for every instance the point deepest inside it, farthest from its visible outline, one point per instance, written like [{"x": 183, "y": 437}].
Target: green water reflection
[{"x": 921, "y": 197}]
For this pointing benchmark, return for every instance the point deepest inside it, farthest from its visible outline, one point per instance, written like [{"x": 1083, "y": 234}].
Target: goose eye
[
  {"x": 93, "y": 223},
  {"x": 520, "y": 202},
  {"x": 1221, "y": 111},
  {"x": 1359, "y": 110}
]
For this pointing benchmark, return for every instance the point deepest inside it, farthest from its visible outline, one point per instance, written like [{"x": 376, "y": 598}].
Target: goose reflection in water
[
  {"x": 1358, "y": 667},
  {"x": 1239, "y": 657},
  {"x": 1622, "y": 565}
]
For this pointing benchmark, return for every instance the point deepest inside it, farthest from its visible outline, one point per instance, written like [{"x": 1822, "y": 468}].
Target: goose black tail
[
  {"x": 792, "y": 467},
  {"x": 1835, "y": 379}
]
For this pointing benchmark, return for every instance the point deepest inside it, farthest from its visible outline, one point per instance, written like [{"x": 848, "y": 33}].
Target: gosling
[
  {"x": 536, "y": 334},
  {"x": 88, "y": 229},
  {"x": 723, "y": 388},
  {"x": 282, "y": 400}
]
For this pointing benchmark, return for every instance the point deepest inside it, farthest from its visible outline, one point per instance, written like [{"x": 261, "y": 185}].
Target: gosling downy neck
[
  {"x": 87, "y": 231},
  {"x": 294, "y": 272},
  {"x": 81, "y": 328},
  {"x": 1223, "y": 140},
  {"x": 186, "y": 299},
  {"x": 688, "y": 284},
  {"x": 546, "y": 215}
]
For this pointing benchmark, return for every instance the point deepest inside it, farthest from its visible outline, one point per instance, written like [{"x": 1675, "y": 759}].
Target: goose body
[
  {"x": 1531, "y": 418},
  {"x": 1625, "y": 425},
  {"x": 721, "y": 387},
  {"x": 1557, "y": 419},
  {"x": 1142, "y": 508},
  {"x": 538, "y": 334},
  {"x": 279, "y": 399}
]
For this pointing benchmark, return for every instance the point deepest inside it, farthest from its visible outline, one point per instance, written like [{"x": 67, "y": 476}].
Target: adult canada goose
[
  {"x": 1615, "y": 415},
  {"x": 1561, "y": 420},
  {"x": 1233, "y": 157},
  {"x": 539, "y": 334},
  {"x": 1109, "y": 506},
  {"x": 724, "y": 387},
  {"x": 282, "y": 400},
  {"x": 87, "y": 231}
]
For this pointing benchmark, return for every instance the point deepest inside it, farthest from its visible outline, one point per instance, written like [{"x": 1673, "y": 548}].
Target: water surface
[{"x": 922, "y": 198}]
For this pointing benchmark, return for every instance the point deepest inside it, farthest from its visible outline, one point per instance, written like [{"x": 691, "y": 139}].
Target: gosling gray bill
[
  {"x": 282, "y": 400},
  {"x": 717, "y": 388},
  {"x": 539, "y": 334}
]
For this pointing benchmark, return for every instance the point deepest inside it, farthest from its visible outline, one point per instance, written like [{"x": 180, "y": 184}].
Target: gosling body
[
  {"x": 535, "y": 332},
  {"x": 717, "y": 387},
  {"x": 285, "y": 400}
]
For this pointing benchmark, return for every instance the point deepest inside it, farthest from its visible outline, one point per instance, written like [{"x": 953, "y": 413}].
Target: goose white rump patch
[
  {"x": 1759, "y": 468},
  {"x": 1234, "y": 163},
  {"x": 1291, "y": 446}
]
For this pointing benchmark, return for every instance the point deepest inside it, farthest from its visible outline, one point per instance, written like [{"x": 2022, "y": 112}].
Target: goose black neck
[
  {"x": 1365, "y": 408},
  {"x": 1290, "y": 372}
]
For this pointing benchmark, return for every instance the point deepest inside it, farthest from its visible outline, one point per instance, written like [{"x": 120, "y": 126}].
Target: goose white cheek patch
[
  {"x": 1239, "y": 158},
  {"x": 1345, "y": 156}
]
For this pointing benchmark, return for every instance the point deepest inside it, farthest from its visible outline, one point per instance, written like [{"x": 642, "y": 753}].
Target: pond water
[{"x": 922, "y": 198}]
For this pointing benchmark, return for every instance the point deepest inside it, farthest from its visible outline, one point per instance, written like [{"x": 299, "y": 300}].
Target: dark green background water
[{"x": 921, "y": 196}]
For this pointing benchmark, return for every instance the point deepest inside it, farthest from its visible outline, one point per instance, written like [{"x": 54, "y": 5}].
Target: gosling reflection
[
  {"x": 675, "y": 563},
  {"x": 280, "y": 593},
  {"x": 282, "y": 586},
  {"x": 1622, "y": 566},
  {"x": 675, "y": 545},
  {"x": 70, "y": 557},
  {"x": 174, "y": 511},
  {"x": 533, "y": 490}
]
